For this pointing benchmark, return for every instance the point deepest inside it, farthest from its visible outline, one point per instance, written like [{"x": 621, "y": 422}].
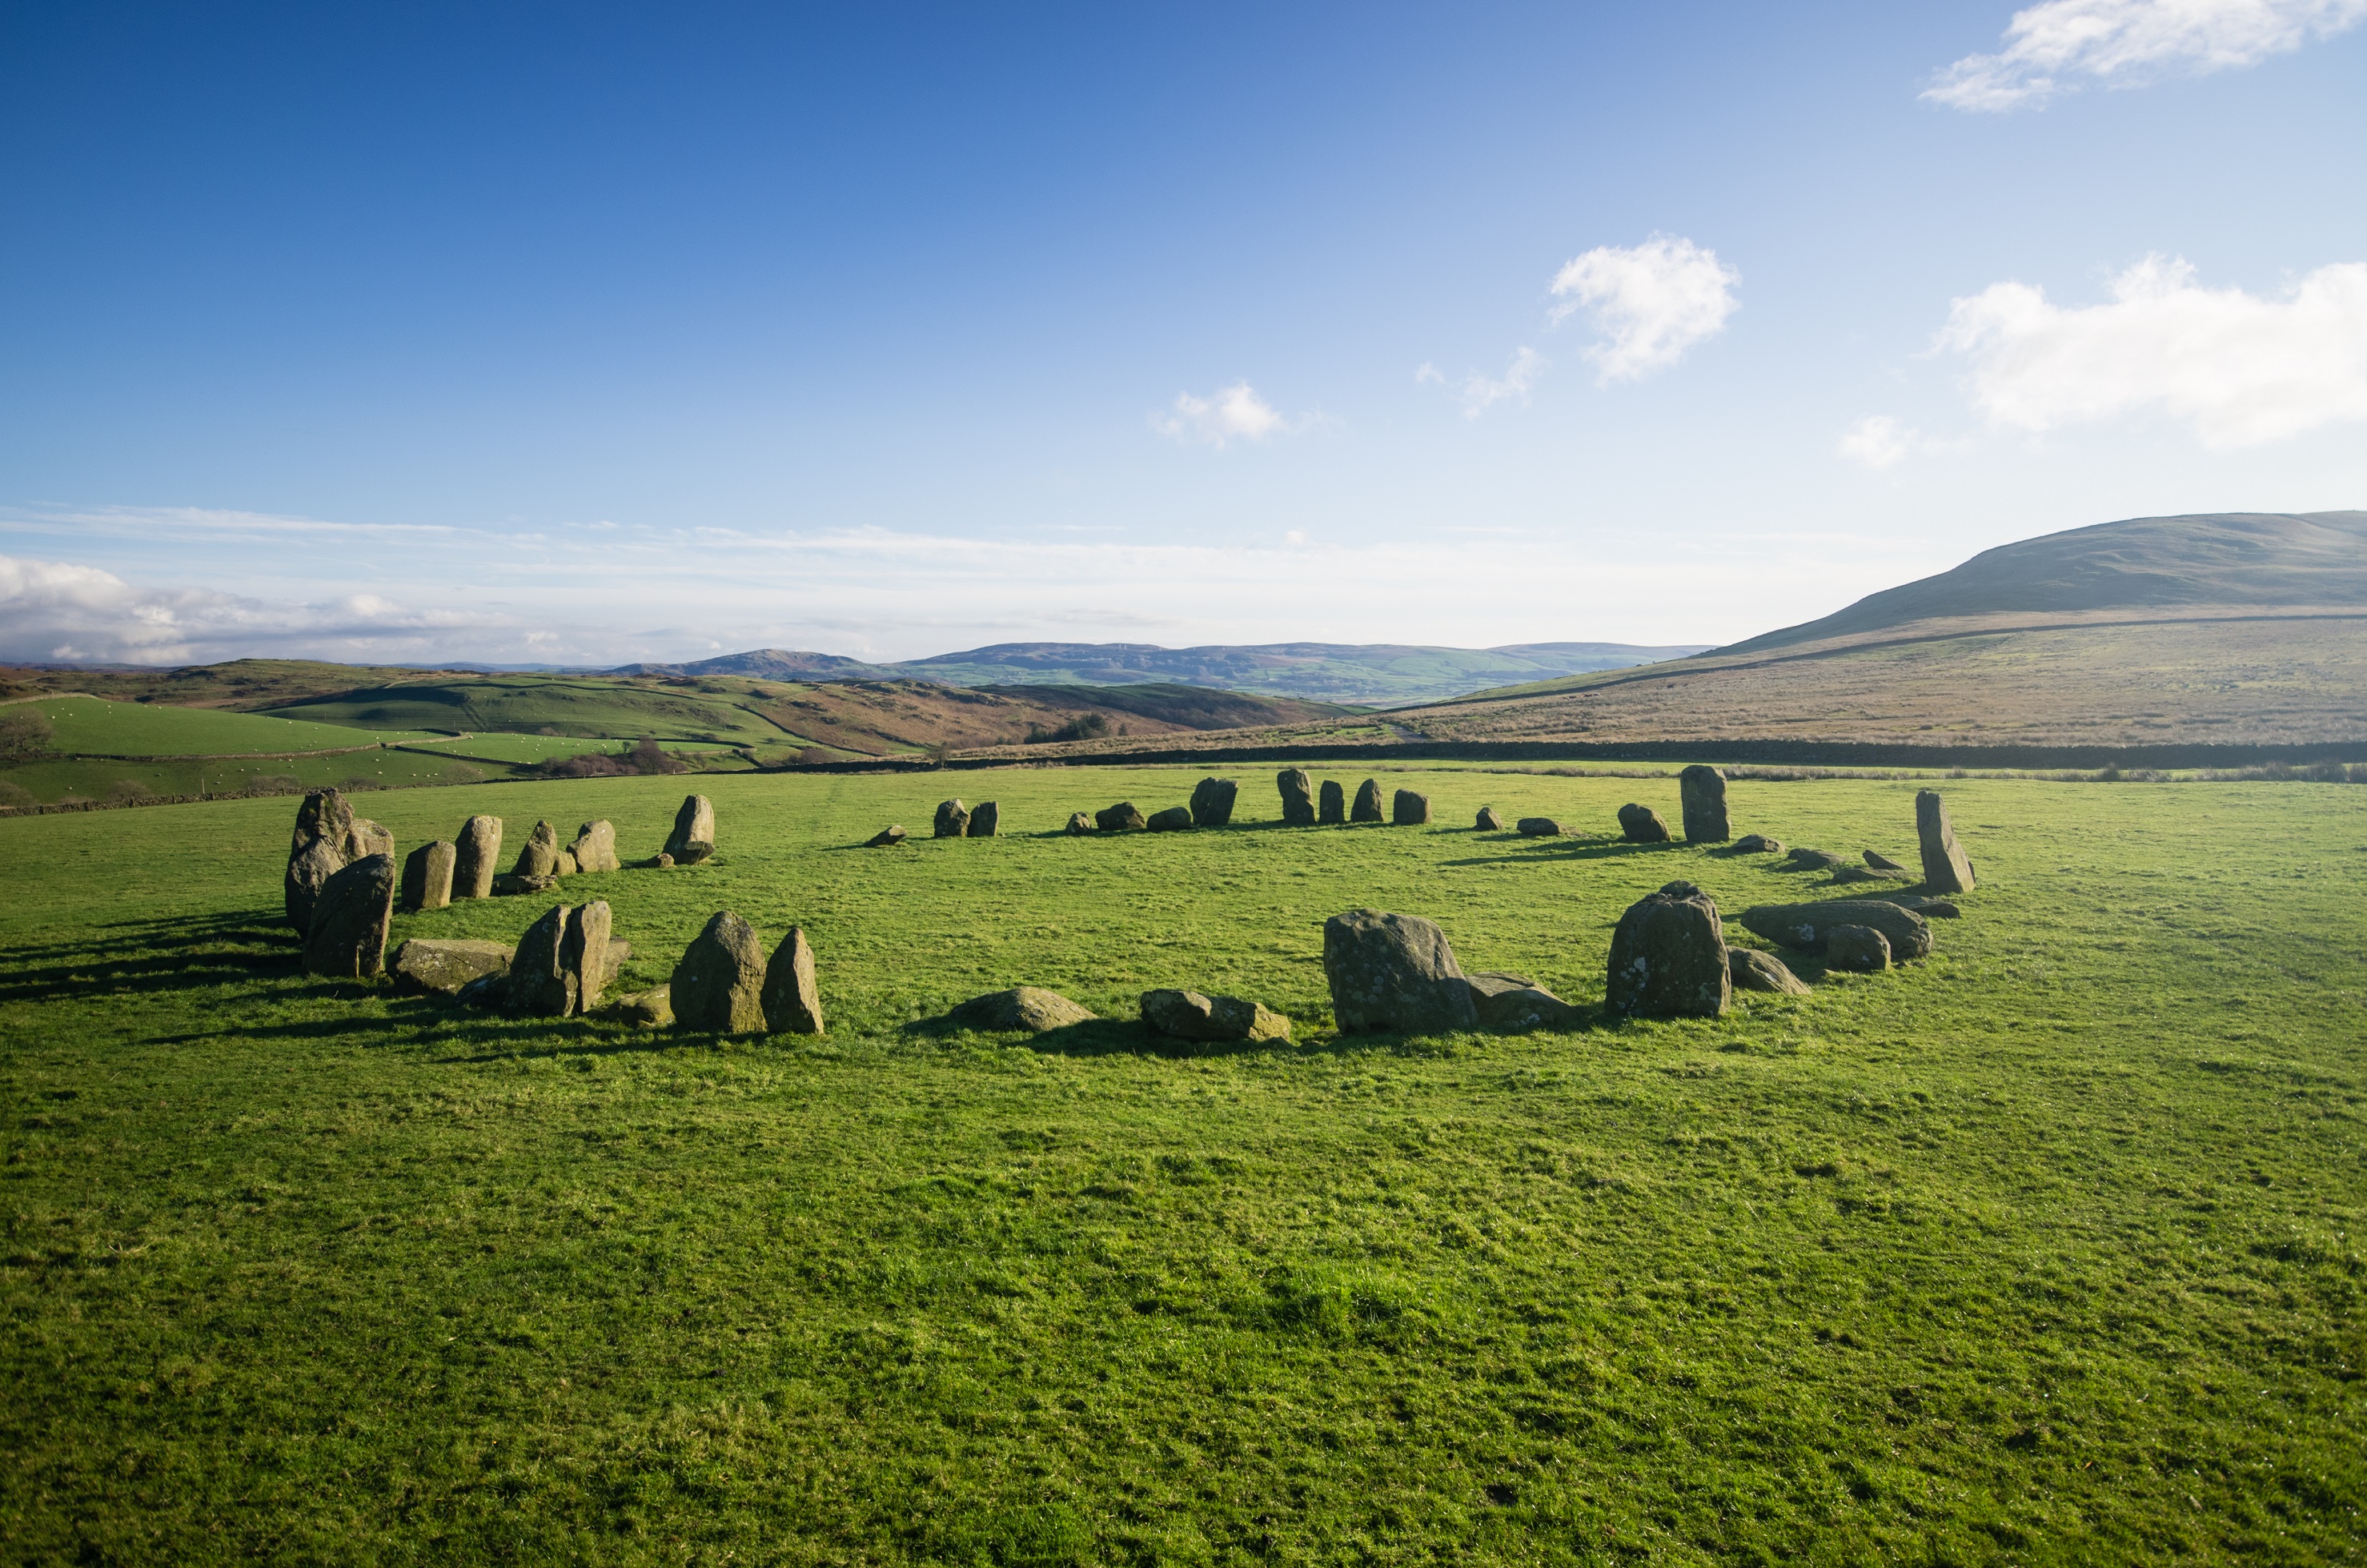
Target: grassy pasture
[
  {"x": 96, "y": 727},
  {"x": 585, "y": 707},
  {"x": 2043, "y": 1250}
]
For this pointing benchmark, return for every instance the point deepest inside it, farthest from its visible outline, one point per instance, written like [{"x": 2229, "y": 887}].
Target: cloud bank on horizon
[{"x": 2056, "y": 47}]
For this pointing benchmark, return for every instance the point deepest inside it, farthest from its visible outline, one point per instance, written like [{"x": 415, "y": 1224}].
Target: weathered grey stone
[
  {"x": 1510, "y": 1003},
  {"x": 423, "y": 967},
  {"x": 1212, "y": 802},
  {"x": 1079, "y": 824},
  {"x": 1394, "y": 974},
  {"x": 791, "y": 999},
  {"x": 1297, "y": 796},
  {"x": 1030, "y": 1007},
  {"x": 1753, "y": 970},
  {"x": 620, "y": 950},
  {"x": 1868, "y": 874},
  {"x": 1118, "y": 819},
  {"x": 1367, "y": 805},
  {"x": 1488, "y": 821},
  {"x": 594, "y": 848},
  {"x": 1701, "y": 789},
  {"x": 1539, "y": 827},
  {"x": 486, "y": 991},
  {"x": 1174, "y": 820},
  {"x": 347, "y": 941},
  {"x": 1859, "y": 948},
  {"x": 1946, "y": 867},
  {"x": 366, "y": 837},
  {"x": 694, "y": 823},
  {"x": 539, "y": 857},
  {"x": 719, "y": 986},
  {"x": 427, "y": 876},
  {"x": 477, "y": 852},
  {"x": 583, "y": 954},
  {"x": 1817, "y": 860},
  {"x": 1190, "y": 1015},
  {"x": 984, "y": 818},
  {"x": 1331, "y": 804},
  {"x": 952, "y": 820},
  {"x": 651, "y": 1010},
  {"x": 1881, "y": 862},
  {"x": 1408, "y": 808},
  {"x": 885, "y": 838},
  {"x": 1668, "y": 957},
  {"x": 1803, "y": 927},
  {"x": 325, "y": 814},
  {"x": 509, "y": 885},
  {"x": 541, "y": 986},
  {"x": 1759, "y": 844},
  {"x": 665, "y": 862},
  {"x": 563, "y": 864},
  {"x": 1932, "y": 909},
  {"x": 1642, "y": 825},
  {"x": 316, "y": 851}
]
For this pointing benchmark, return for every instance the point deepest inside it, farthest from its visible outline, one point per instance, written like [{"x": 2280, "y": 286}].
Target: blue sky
[{"x": 587, "y": 334}]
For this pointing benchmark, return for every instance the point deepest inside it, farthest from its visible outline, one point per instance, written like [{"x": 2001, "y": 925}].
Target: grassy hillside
[
  {"x": 240, "y": 683},
  {"x": 96, "y": 727},
  {"x": 2043, "y": 1250}
]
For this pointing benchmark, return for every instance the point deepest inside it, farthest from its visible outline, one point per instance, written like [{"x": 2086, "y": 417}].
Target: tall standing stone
[
  {"x": 539, "y": 857},
  {"x": 719, "y": 987},
  {"x": 366, "y": 838},
  {"x": 984, "y": 818},
  {"x": 1368, "y": 808},
  {"x": 1407, "y": 809},
  {"x": 1668, "y": 957},
  {"x": 1212, "y": 802},
  {"x": 1702, "y": 789},
  {"x": 1394, "y": 974},
  {"x": 1297, "y": 796},
  {"x": 594, "y": 848},
  {"x": 1946, "y": 867},
  {"x": 476, "y": 854},
  {"x": 694, "y": 825},
  {"x": 347, "y": 940},
  {"x": 540, "y": 984},
  {"x": 316, "y": 852},
  {"x": 427, "y": 876},
  {"x": 585, "y": 951},
  {"x": 1333, "y": 807},
  {"x": 952, "y": 820},
  {"x": 791, "y": 1000}
]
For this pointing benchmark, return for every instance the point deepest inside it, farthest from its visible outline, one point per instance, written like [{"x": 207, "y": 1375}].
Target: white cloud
[
  {"x": 1879, "y": 441},
  {"x": 1234, "y": 411},
  {"x": 2236, "y": 369},
  {"x": 1651, "y": 301},
  {"x": 1482, "y": 392},
  {"x": 2128, "y": 43}
]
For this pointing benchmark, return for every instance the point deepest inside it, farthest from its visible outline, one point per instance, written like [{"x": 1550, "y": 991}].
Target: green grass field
[
  {"x": 496, "y": 748},
  {"x": 96, "y": 727},
  {"x": 2043, "y": 1250},
  {"x": 587, "y": 708}
]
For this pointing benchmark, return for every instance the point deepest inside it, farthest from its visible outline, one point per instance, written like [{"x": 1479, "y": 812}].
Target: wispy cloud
[
  {"x": 1481, "y": 392},
  {"x": 1651, "y": 301},
  {"x": 1234, "y": 413},
  {"x": 2055, "y": 46},
  {"x": 2235, "y": 368},
  {"x": 1879, "y": 441}
]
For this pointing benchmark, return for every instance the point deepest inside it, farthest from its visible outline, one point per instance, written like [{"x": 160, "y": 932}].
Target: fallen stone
[
  {"x": 665, "y": 862},
  {"x": 1512, "y": 1003},
  {"x": 1212, "y": 802},
  {"x": 1408, "y": 808},
  {"x": 1170, "y": 821},
  {"x": 1753, "y": 970},
  {"x": 427, "y": 876},
  {"x": 1700, "y": 790},
  {"x": 791, "y": 1000},
  {"x": 1394, "y": 974},
  {"x": 1668, "y": 957},
  {"x": 1297, "y": 796},
  {"x": 1368, "y": 806},
  {"x": 1488, "y": 821},
  {"x": 719, "y": 987},
  {"x": 651, "y": 1010},
  {"x": 1030, "y": 1007},
  {"x": 476, "y": 854},
  {"x": 1803, "y": 927},
  {"x": 1868, "y": 874},
  {"x": 1079, "y": 824},
  {"x": 424, "y": 967},
  {"x": 541, "y": 855},
  {"x": 583, "y": 954},
  {"x": 1758, "y": 844},
  {"x": 347, "y": 941},
  {"x": 1331, "y": 808},
  {"x": 1946, "y": 867},
  {"x": 1881, "y": 862},
  {"x": 594, "y": 848},
  {"x": 952, "y": 820},
  {"x": 882, "y": 839},
  {"x": 1817, "y": 860},
  {"x": 984, "y": 818},
  {"x": 1190, "y": 1015},
  {"x": 1642, "y": 825},
  {"x": 1118, "y": 819},
  {"x": 1932, "y": 909},
  {"x": 1859, "y": 948},
  {"x": 694, "y": 823},
  {"x": 509, "y": 885},
  {"x": 316, "y": 851},
  {"x": 1539, "y": 827},
  {"x": 485, "y": 991}
]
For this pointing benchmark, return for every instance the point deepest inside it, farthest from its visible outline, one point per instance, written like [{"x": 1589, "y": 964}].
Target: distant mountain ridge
[{"x": 1317, "y": 672}]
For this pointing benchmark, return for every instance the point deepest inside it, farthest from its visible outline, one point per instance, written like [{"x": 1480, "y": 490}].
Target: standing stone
[
  {"x": 1335, "y": 805},
  {"x": 719, "y": 987},
  {"x": 1806, "y": 926},
  {"x": 594, "y": 848},
  {"x": 1297, "y": 796},
  {"x": 1702, "y": 790},
  {"x": 316, "y": 851},
  {"x": 984, "y": 818},
  {"x": 1078, "y": 824},
  {"x": 347, "y": 941},
  {"x": 1668, "y": 957},
  {"x": 564, "y": 864},
  {"x": 1642, "y": 825},
  {"x": 1859, "y": 948},
  {"x": 587, "y": 955},
  {"x": 479, "y": 851},
  {"x": 540, "y": 984},
  {"x": 1212, "y": 802},
  {"x": 427, "y": 876},
  {"x": 366, "y": 838},
  {"x": 1409, "y": 809},
  {"x": 952, "y": 820},
  {"x": 1946, "y": 868},
  {"x": 1118, "y": 819},
  {"x": 541, "y": 855},
  {"x": 693, "y": 825},
  {"x": 1368, "y": 808},
  {"x": 1174, "y": 820},
  {"x": 791, "y": 1000},
  {"x": 1488, "y": 821},
  {"x": 1394, "y": 974}
]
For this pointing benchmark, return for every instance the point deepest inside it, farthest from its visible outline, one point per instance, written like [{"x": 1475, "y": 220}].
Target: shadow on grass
[
  {"x": 152, "y": 956},
  {"x": 1556, "y": 850}
]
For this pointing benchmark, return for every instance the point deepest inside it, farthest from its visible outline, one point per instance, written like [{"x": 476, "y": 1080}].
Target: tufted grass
[{"x": 2043, "y": 1250}]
